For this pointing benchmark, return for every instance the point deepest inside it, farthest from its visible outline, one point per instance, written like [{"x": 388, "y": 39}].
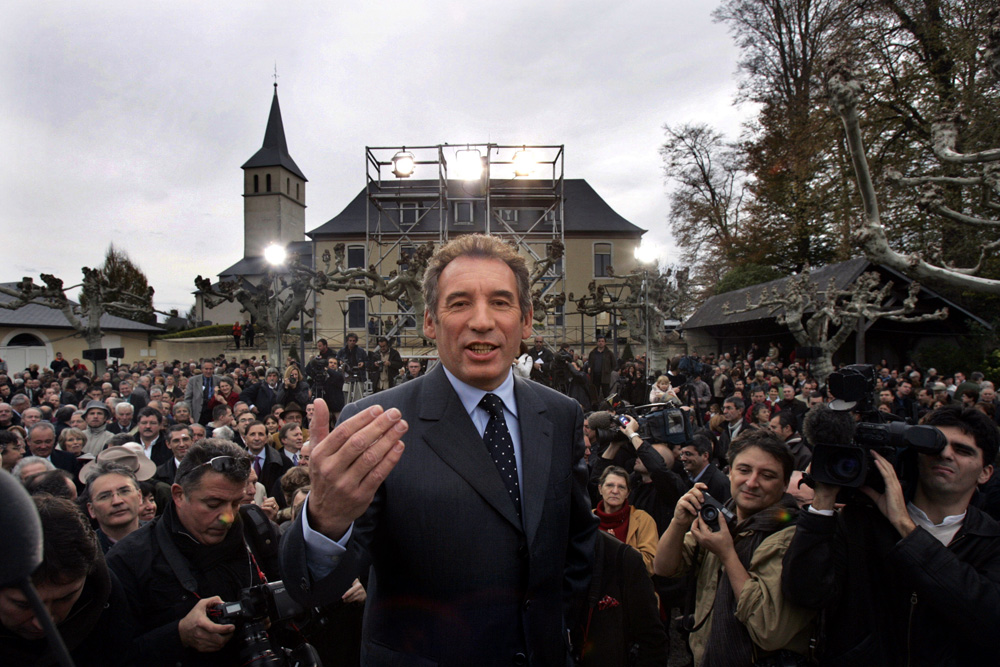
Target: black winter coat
[{"x": 892, "y": 601}]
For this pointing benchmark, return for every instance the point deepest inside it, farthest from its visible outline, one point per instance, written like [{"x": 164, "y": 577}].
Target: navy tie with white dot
[{"x": 501, "y": 447}]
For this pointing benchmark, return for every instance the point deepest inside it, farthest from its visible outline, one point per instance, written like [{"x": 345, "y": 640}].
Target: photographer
[
  {"x": 384, "y": 362},
  {"x": 352, "y": 359},
  {"x": 333, "y": 388},
  {"x": 740, "y": 615},
  {"x": 198, "y": 553},
  {"x": 912, "y": 577}
]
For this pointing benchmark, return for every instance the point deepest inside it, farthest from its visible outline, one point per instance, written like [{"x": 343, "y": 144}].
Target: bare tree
[
  {"x": 277, "y": 299},
  {"x": 99, "y": 295},
  {"x": 870, "y": 235},
  {"x": 646, "y": 299},
  {"x": 707, "y": 200},
  {"x": 825, "y": 319},
  {"x": 274, "y": 301}
]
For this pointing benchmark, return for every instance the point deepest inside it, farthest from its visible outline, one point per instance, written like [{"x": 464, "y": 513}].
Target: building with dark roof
[
  {"x": 711, "y": 330},
  {"x": 33, "y": 334},
  {"x": 393, "y": 215}
]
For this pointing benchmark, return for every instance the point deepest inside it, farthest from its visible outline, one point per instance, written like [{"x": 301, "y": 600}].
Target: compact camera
[{"x": 711, "y": 510}]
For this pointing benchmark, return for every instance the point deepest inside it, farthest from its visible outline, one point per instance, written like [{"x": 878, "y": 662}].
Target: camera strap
[
  {"x": 181, "y": 567},
  {"x": 175, "y": 559}
]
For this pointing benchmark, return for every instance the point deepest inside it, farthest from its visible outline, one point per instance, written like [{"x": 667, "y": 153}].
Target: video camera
[
  {"x": 849, "y": 464},
  {"x": 316, "y": 371},
  {"x": 252, "y": 614}
]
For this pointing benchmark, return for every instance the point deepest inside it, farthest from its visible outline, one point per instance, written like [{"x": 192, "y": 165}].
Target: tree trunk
[{"x": 822, "y": 366}]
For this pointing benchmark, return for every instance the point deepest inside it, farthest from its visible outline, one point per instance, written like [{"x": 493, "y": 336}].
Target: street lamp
[
  {"x": 614, "y": 292},
  {"x": 276, "y": 255},
  {"x": 345, "y": 305}
]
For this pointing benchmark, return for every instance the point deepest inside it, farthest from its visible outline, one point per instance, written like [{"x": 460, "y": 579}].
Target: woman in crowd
[
  {"x": 630, "y": 525},
  {"x": 72, "y": 440}
]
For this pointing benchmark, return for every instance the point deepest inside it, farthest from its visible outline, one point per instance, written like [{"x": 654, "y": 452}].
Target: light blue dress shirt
[{"x": 323, "y": 554}]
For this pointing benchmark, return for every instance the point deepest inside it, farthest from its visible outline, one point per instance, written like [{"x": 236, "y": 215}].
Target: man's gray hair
[
  {"x": 123, "y": 407},
  {"x": 41, "y": 426},
  {"x": 28, "y": 460},
  {"x": 105, "y": 468}
]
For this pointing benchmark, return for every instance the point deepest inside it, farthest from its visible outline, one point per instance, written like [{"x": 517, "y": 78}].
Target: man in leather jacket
[{"x": 908, "y": 578}]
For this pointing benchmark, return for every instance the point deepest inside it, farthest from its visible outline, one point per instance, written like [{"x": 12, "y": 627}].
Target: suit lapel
[
  {"x": 453, "y": 437},
  {"x": 536, "y": 453}
]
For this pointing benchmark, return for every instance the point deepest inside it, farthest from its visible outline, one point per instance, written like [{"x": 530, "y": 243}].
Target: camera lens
[
  {"x": 844, "y": 468},
  {"x": 709, "y": 514}
]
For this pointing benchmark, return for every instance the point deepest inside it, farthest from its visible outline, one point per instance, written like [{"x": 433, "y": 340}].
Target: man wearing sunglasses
[{"x": 191, "y": 558}]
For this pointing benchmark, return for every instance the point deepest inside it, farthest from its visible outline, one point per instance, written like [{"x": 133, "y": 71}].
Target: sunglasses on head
[{"x": 221, "y": 464}]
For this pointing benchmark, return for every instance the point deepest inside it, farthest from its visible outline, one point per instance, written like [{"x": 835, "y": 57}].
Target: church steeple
[
  {"x": 274, "y": 151},
  {"x": 274, "y": 191}
]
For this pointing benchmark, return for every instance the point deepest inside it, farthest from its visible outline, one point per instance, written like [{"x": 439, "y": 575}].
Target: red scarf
[{"x": 615, "y": 523}]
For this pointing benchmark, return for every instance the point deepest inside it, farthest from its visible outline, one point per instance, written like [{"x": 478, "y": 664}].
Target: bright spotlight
[
  {"x": 468, "y": 164},
  {"x": 524, "y": 162},
  {"x": 275, "y": 254},
  {"x": 403, "y": 164}
]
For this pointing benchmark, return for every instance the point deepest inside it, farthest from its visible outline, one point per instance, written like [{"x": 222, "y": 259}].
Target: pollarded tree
[
  {"x": 826, "y": 318},
  {"x": 96, "y": 292}
]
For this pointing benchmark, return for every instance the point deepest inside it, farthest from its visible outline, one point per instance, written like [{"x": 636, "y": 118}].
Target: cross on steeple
[{"x": 275, "y": 76}]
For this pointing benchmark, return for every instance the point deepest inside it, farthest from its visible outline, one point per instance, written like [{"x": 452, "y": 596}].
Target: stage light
[
  {"x": 468, "y": 164},
  {"x": 524, "y": 162},
  {"x": 403, "y": 163}
]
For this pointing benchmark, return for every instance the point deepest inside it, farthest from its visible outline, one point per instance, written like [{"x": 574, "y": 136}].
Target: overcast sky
[{"x": 128, "y": 121}]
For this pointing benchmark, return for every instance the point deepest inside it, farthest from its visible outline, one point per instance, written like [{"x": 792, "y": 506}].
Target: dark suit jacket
[
  {"x": 160, "y": 453},
  {"x": 716, "y": 481},
  {"x": 722, "y": 446},
  {"x": 165, "y": 472},
  {"x": 65, "y": 461},
  {"x": 455, "y": 579}
]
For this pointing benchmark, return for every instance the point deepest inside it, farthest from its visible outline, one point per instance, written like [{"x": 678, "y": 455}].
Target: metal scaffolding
[{"x": 420, "y": 194}]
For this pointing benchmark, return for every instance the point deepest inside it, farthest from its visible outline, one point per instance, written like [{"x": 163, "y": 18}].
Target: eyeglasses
[
  {"x": 123, "y": 493},
  {"x": 222, "y": 464}
]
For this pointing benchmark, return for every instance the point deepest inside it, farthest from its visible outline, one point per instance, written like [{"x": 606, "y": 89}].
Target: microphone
[{"x": 21, "y": 554}]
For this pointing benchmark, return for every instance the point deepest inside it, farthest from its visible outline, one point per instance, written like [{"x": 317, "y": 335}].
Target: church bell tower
[{"x": 274, "y": 191}]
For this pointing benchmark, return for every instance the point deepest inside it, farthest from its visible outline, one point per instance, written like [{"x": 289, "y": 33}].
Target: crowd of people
[{"x": 167, "y": 488}]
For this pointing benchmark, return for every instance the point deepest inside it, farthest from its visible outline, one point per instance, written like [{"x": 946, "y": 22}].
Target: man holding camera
[
  {"x": 913, "y": 577},
  {"x": 740, "y": 615},
  {"x": 199, "y": 553},
  {"x": 353, "y": 360},
  {"x": 385, "y": 364}
]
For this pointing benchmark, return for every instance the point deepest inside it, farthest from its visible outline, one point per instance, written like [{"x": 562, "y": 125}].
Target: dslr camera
[
  {"x": 257, "y": 608},
  {"x": 850, "y": 464},
  {"x": 711, "y": 510}
]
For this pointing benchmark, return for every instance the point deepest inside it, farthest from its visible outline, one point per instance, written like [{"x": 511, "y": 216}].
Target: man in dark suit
[
  {"x": 179, "y": 440},
  {"x": 695, "y": 457},
  {"x": 732, "y": 411},
  {"x": 480, "y": 537},
  {"x": 42, "y": 442},
  {"x": 150, "y": 436},
  {"x": 132, "y": 395}
]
